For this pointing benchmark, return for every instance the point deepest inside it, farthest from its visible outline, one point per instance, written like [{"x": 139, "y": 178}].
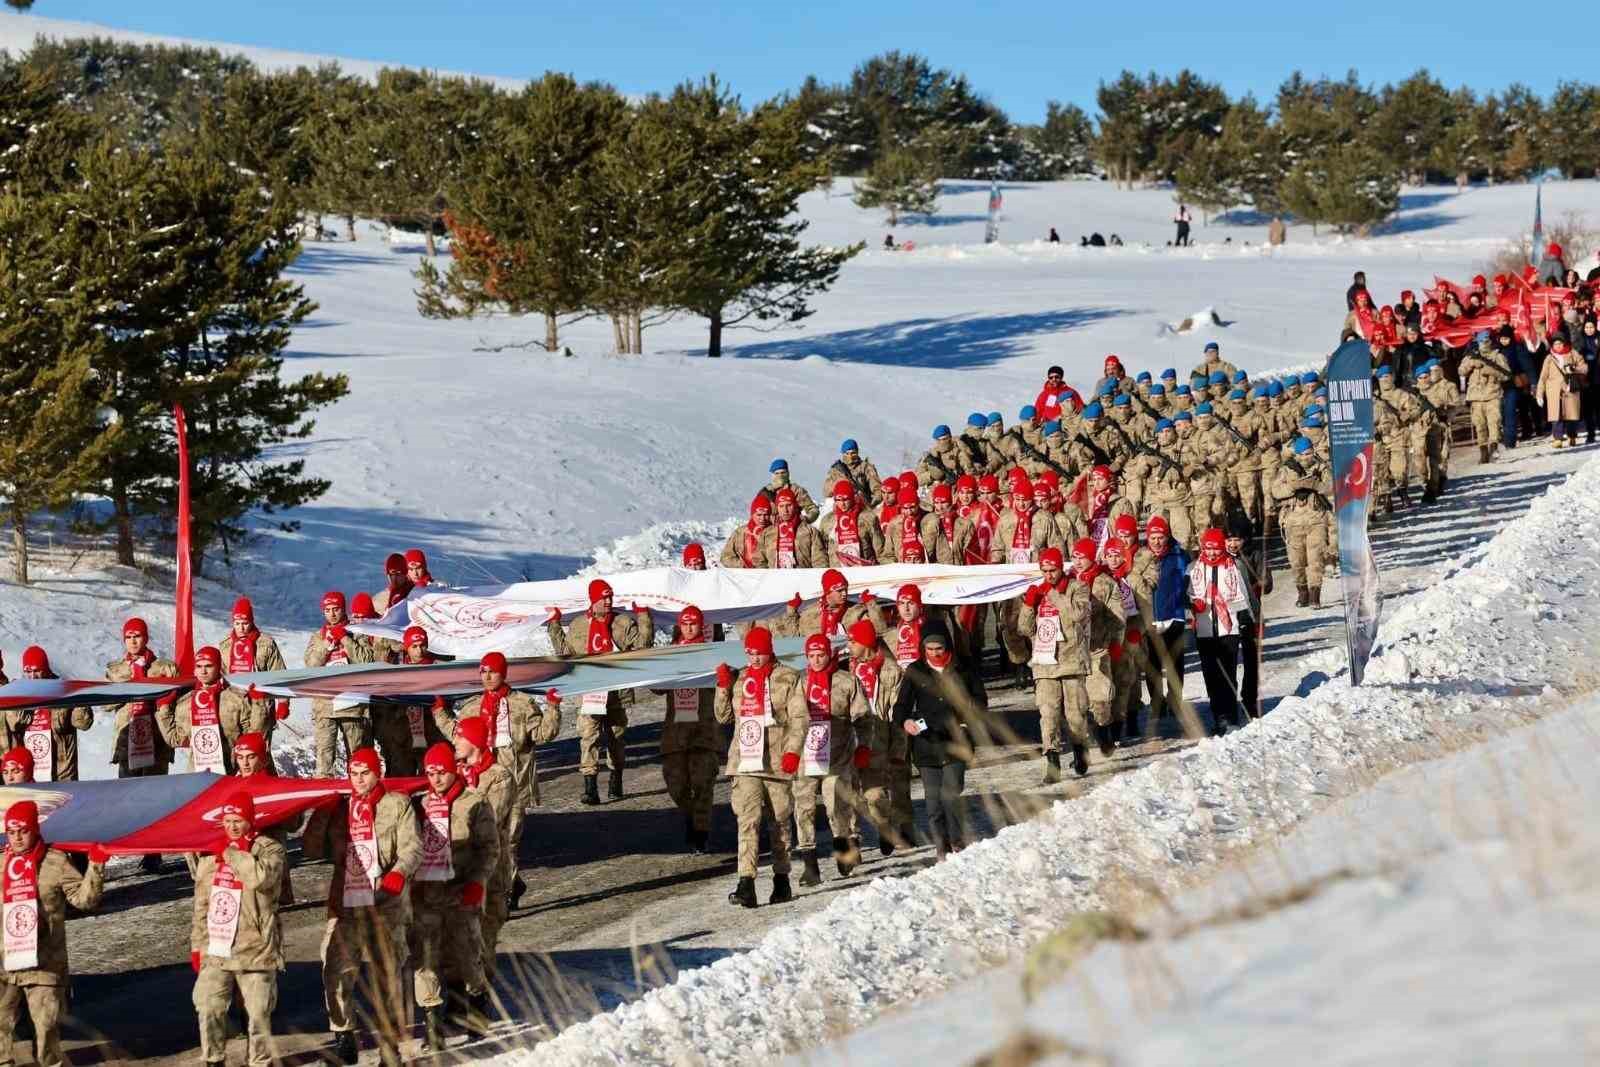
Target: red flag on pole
[{"x": 183, "y": 628}]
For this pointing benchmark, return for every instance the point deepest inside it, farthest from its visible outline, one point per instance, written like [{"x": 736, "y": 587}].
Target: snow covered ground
[{"x": 1440, "y": 679}]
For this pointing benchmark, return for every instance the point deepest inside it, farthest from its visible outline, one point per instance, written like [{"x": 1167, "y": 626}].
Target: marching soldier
[
  {"x": 690, "y": 740},
  {"x": 829, "y": 759},
  {"x": 333, "y": 643}
]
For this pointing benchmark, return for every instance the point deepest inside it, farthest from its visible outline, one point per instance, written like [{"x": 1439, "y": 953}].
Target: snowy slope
[
  {"x": 18, "y": 32},
  {"x": 1439, "y": 678}
]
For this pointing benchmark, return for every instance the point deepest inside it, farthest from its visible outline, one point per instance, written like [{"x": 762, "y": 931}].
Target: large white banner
[{"x": 479, "y": 619}]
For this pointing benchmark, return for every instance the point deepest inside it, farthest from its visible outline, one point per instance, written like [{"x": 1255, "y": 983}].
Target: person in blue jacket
[{"x": 1161, "y": 577}]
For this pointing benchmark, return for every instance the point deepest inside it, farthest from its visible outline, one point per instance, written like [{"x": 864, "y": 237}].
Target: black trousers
[
  {"x": 941, "y": 793},
  {"x": 1250, "y": 664},
  {"x": 1219, "y": 666},
  {"x": 1591, "y": 409}
]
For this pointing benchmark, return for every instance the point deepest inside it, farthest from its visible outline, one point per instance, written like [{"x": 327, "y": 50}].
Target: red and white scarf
[
  {"x": 205, "y": 729},
  {"x": 752, "y": 543},
  {"x": 908, "y": 641},
  {"x": 911, "y": 550},
  {"x": 38, "y": 737},
  {"x": 786, "y": 538},
  {"x": 336, "y": 652},
  {"x": 438, "y": 865},
  {"x": 814, "y": 757},
  {"x": 847, "y": 536},
  {"x": 242, "y": 653},
  {"x": 361, "y": 867},
  {"x": 496, "y": 707},
  {"x": 472, "y": 772},
  {"x": 222, "y": 913},
  {"x": 753, "y": 717},
  {"x": 21, "y": 908},
  {"x": 686, "y": 701},
  {"x": 866, "y": 672},
  {"x": 141, "y": 735}
]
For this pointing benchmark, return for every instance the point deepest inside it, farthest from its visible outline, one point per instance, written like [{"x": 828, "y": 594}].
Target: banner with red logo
[{"x": 1349, "y": 379}]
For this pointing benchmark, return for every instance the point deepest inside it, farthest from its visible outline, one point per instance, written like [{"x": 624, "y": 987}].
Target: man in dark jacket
[
  {"x": 1411, "y": 354},
  {"x": 1517, "y": 359},
  {"x": 1359, "y": 284},
  {"x": 940, "y": 699},
  {"x": 1249, "y": 551}
]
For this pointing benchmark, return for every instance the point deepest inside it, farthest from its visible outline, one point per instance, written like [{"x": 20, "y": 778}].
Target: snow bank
[{"x": 1441, "y": 672}]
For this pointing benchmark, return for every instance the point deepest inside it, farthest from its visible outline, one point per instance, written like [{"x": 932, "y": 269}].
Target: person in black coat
[
  {"x": 1411, "y": 354},
  {"x": 1357, "y": 285},
  {"x": 941, "y": 701}
]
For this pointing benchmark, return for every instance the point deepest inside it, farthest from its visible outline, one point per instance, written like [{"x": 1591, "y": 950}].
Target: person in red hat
[
  {"x": 945, "y": 534},
  {"x": 834, "y": 702},
  {"x": 235, "y": 946},
  {"x": 136, "y": 747},
  {"x": 252, "y": 759},
  {"x": 889, "y": 501},
  {"x": 417, "y": 569},
  {"x": 399, "y": 583},
  {"x": 1053, "y": 617},
  {"x": 851, "y": 532},
  {"x": 743, "y": 548},
  {"x": 1218, "y": 595},
  {"x": 1019, "y": 537},
  {"x": 976, "y": 509},
  {"x": 789, "y": 542},
  {"x": 245, "y": 649},
  {"x": 460, "y": 854},
  {"x": 39, "y": 882},
  {"x": 403, "y": 731},
  {"x": 833, "y": 614},
  {"x": 694, "y": 556},
  {"x": 765, "y": 703},
  {"x": 51, "y": 734},
  {"x": 689, "y": 742},
  {"x": 1161, "y": 587},
  {"x": 903, "y": 534},
  {"x": 880, "y": 748},
  {"x": 1130, "y": 664},
  {"x": 374, "y": 840},
  {"x": 209, "y": 719},
  {"x": 515, "y": 726},
  {"x": 601, "y": 719},
  {"x": 485, "y": 775},
  {"x": 332, "y": 644},
  {"x": 16, "y": 767}
]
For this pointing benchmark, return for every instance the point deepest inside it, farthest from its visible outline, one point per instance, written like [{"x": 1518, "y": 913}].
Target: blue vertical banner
[
  {"x": 991, "y": 232},
  {"x": 1536, "y": 251},
  {"x": 1349, "y": 378}
]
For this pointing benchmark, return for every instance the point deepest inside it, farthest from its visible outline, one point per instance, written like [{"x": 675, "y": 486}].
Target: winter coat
[
  {"x": 498, "y": 788},
  {"x": 236, "y": 715},
  {"x": 810, "y": 550},
  {"x": 258, "y": 942},
  {"x": 868, "y": 532},
  {"x": 1043, "y": 535},
  {"x": 944, "y": 463},
  {"x": 862, "y": 474},
  {"x": 847, "y": 705},
  {"x": 1232, "y": 588},
  {"x": 119, "y": 671},
  {"x": 1485, "y": 373},
  {"x": 399, "y": 838},
  {"x": 357, "y": 650},
  {"x": 805, "y": 623},
  {"x": 268, "y": 658},
  {"x": 1560, "y": 386},
  {"x": 474, "y": 851},
  {"x": 685, "y": 731},
  {"x": 1075, "y": 605},
  {"x": 878, "y": 730},
  {"x": 531, "y": 724},
  {"x": 950, "y": 701},
  {"x": 630, "y": 631},
  {"x": 1163, "y": 582},
  {"x": 64, "y": 726},
  {"x": 786, "y": 700},
  {"x": 1304, "y": 496},
  {"x": 60, "y": 884},
  {"x": 733, "y": 550}
]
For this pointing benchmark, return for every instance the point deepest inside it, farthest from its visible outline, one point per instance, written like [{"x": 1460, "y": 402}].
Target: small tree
[{"x": 903, "y": 182}]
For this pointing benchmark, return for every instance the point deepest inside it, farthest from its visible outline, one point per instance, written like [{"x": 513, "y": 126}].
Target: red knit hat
[
  {"x": 758, "y": 641},
  {"x": 366, "y": 757},
  {"x": 243, "y": 609},
  {"x": 599, "y": 589},
  {"x": 760, "y": 503},
  {"x": 1478, "y": 281},
  {"x": 493, "y": 661},
  {"x": 24, "y": 814},
  {"x": 1126, "y": 525},
  {"x": 906, "y": 496},
  {"x": 891, "y": 486},
  {"x": 1051, "y": 555},
  {"x": 842, "y": 489},
  {"x": 968, "y": 482},
  {"x": 863, "y": 633},
  {"x": 241, "y": 804},
  {"x": 1113, "y": 361},
  {"x": 333, "y": 599},
  {"x": 817, "y": 643},
  {"x": 832, "y": 579},
  {"x": 254, "y": 742},
  {"x": 1020, "y": 487},
  {"x": 208, "y": 654},
  {"x": 909, "y": 592},
  {"x": 22, "y": 758},
  {"x": 439, "y": 757},
  {"x": 1157, "y": 524},
  {"x": 136, "y": 626},
  {"x": 35, "y": 659},
  {"x": 474, "y": 730},
  {"x": 416, "y": 555},
  {"x": 692, "y": 614},
  {"x": 694, "y": 552},
  {"x": 1051, "y": 479},
  {"x": 1102, "y": 471},
  {"x": 1214, "y": 539},
  {"x": 1083, "y": 546},
  {"x": 941, "y": 494},
  {"x": 414, "y": 635},
  {"x": 785, "y": 493},
  {"x": 988, "y": 484},
  {"x": 394, "y": 562},
  {"x": 361, "y": 607}
]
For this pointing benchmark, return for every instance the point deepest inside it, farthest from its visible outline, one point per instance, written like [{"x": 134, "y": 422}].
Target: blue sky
[{"x": 1018, "y": 54}]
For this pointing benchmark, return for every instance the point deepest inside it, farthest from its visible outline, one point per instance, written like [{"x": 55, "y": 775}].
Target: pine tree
[
  {"x": 514, "y": 241},
  {"x": 342, "y": 176},
  {"x": 738, "y": 259},
  {"x": 903, "y": 181},
  {"x": 1206, "y": 178}
]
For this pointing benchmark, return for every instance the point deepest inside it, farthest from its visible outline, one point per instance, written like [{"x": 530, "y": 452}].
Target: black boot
[
  {"x": 744, "y": 894},
  {"x": 1130, "y": 725},
  {"x": 846, "y": 855},
  {"x": 1024, "y": 676},
  {"x": 1483, "y": 453},
  {"x": 1316, "y": 595},
  {"x": 344, "y": 1047},
  {"x": 1405, "y": 497},
  {"x": 1052, "y": 768},
  {"x": 518, "y": 887},
  {"x": 689, "y": 832},
  {"x": 433, "y": 1020},
  {"x": 615, "y": 792},
  {"x": 1302, "y": 597},
  {"x": 1105, "y": 738},
  {"x": 1080, "y": 759},
  {"x": 591, "y": 790},
  {"x": 150, "y": 862},
  {"x": 781, "y": 893},
  {"x": 885, "y": 843},
  {"x": 811, "y": 875}
]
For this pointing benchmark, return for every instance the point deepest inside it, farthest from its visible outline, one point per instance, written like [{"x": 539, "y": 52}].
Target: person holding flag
[
  {"x": 235, "y": 941},
  {"x": 50, "y": 734},
  {"x": 209, "y": 719},
  {"x": 829, "y": 760},
  {"x": 245, "y": 649},
  {"x": 476, "y": 763},
  {"x": 335, "y": 643},
  {"x": 690, "y": 741},
  {"x": 136, "y": 746}
]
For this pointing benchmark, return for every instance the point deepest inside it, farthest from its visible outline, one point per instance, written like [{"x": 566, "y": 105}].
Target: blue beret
[
  {"x": 1309, "y": 378},
  {"x": 1026, "y": 412},
  {"x": 1382, "y": 372},
  {"x": 1143, "y": 376},
  {"x": 1122, "y": 400},
  {"x": 1184, "y": 390},
  {"x": 1258, "y": 393},
  {"x": 1211, "y": 346},
  {"x": 1107, "y": 388},
  {"x": 848, "y": 445},
  {"x": 1093, "y": 411},
  {"x": 778, "y": 465},
  {"x": 1158, "y": 390},
  {"x": 941, "y": 430},
  {"x": 1274, "y": 389},
  {"x": 1183, "y": 416},
  {"x": 1170, "y": 374},
  {"x": 1163, "y": 424},
  {"x": 1237, "y": 394},
  {"x": 1051, "y": 427},
  {"x": 994, "y": 416},
  {"x": 1240, "y": 376},
  {"x": 1203, "y": 409},
  {"x": 1217, "y": 378},
  {"x": 977, "y": 419},
  {"x": 1312, "y": 421},
  {"x": 1302, "y": 444}
]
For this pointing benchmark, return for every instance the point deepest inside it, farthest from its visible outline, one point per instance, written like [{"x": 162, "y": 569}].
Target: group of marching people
[{"x": 1144, "y": 505}]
